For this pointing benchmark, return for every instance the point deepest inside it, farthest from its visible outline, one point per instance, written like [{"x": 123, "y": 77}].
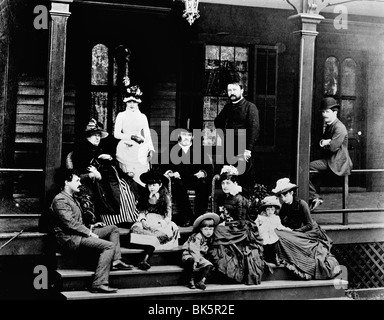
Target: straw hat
[
  {"x": 208, "y": 215},
  {"x": 284, "y": 185},
  {"x": 94, "y": 127},
  {"x": 270, "y": 201}
]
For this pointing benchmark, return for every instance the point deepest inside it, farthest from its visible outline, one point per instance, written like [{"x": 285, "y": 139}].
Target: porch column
[
  {"x": 54, "y": 93},
  {"x": 307, "y": 24}
]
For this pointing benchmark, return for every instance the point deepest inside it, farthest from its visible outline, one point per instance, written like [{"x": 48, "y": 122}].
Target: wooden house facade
[{"x": 57, "y": 73}]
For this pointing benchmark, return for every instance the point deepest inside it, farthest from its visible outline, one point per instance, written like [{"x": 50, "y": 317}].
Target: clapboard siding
[
  {"x": 30, "y": 118},
  {"x": 163, "y": 106}
]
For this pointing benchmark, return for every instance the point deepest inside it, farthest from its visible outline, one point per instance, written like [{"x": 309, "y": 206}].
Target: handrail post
[{"x": 345, "y": 199}]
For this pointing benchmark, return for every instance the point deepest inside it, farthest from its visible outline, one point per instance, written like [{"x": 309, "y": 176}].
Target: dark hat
[
  {"x": 94, "y": 127},
  {"x": 208, "y": 215},
  {"x": 152, "y": 176},
  {"x": 328, "y": 103},
  {"x": 132, "y": 93}
]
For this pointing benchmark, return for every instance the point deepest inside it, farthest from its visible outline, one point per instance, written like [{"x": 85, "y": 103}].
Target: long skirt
[
  {"x": 160, "y": 236},
  {"x": 132, "y": 158},
  {"x": 307, "y": 254},
  {"x": 237, "y": 252},
  {"x": 116, "y": 199}
]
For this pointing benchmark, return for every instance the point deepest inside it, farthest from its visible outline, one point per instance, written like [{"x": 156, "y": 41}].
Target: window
[
  {"x": 223, "y": 61},
  {"x": 109, "y": 66},
  {"x": 345, "y": 93}
]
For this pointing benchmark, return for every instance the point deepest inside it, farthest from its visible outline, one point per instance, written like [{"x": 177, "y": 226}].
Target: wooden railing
[{"x": 345, "y": 191}]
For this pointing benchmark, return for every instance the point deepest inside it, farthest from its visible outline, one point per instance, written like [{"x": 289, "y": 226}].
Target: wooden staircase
[{"x": 165, "y": 281}]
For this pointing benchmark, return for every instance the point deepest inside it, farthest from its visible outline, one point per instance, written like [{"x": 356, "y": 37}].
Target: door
[{"x": 341, "y": 74}]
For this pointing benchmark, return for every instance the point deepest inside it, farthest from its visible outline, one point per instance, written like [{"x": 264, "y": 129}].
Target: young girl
[
  {"x": 196, "y": 248},
  {"x": 267, "y": 221},
  {"x": 154, "y": 228}
]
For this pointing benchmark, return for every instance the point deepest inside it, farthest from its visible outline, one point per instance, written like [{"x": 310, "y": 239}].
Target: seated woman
[
  {"x": 107, "y": 187},
  {"x": 154, "y": 228},
  {"x": 306, "y": 249},
  {"x": 237, "y": 249}
]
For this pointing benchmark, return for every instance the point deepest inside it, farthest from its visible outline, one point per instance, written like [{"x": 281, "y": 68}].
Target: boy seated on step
[
  {"x": 267, "y": 221},
  {"x": 196, "y": 266}
]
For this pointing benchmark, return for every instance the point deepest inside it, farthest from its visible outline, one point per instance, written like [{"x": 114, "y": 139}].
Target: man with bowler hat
[{"x": 334, "y": 144}]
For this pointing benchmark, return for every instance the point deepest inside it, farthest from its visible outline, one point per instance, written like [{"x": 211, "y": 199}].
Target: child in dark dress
[{"x": 196, "y": 248}]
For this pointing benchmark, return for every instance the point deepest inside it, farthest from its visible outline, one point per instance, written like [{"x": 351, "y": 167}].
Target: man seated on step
[{"x": 72, "y": 234}]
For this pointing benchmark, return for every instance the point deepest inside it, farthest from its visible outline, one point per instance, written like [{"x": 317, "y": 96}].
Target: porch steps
[
  {"x": 156, "y": 276},
  {"x": 165, "y": 280},
  {"x": 267, "y": 290}
]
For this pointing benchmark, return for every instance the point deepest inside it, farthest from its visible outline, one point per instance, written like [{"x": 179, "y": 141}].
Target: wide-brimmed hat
[
  {"x": 328, "y": 103},
  {"x": 270, "y": 201},
  {"x": 94, "y": 127},
  {"x": 153, "y": 177},
  {"x": 284, "y": 185},
  {"x": 208, "y": 215},
  {"x": 132, "y": 93}
]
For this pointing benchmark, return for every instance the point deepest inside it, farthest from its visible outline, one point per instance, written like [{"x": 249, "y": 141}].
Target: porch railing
[{"x": 345, "y": 191}]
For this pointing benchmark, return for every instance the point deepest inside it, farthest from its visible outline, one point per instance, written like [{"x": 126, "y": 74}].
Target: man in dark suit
[
  {"x": 189, "y": 168},
  {"x": 71, "y": 234},
  {"x": 242, "y": 117},
  {"x": 334, "y": 143}
]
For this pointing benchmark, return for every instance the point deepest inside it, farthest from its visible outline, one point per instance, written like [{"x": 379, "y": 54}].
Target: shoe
[
  {"x": 122, "y": 266},
  {"x": 315, "y": 203},
  {"x": 191, "y": 284},
  {"x": 103, "y": 289},
  {"x": 201, "y": 285},
  {"x": 144, "y": 265}
]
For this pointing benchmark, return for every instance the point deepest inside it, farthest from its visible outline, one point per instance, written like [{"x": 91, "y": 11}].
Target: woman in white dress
[{"x": 135, "y": 149}]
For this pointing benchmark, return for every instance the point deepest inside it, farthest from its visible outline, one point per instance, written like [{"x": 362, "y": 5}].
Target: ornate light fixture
[{"x": 191, "y": 13}]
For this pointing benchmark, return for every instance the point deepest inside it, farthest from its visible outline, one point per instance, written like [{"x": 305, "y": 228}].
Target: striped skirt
[
  {"x": 128, "y": 210},
  {"x": 307, "y": 254}
]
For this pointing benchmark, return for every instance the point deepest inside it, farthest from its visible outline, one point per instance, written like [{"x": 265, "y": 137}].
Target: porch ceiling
[{"x": 364, "y": 7}]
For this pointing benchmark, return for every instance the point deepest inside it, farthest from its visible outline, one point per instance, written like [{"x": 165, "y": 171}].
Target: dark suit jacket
[
  {"x": 242, "y": 115},
  {"x": 67, "y": 221},
  {"x": 190, "y": 163},
  {"x": 337, "y": 154}
]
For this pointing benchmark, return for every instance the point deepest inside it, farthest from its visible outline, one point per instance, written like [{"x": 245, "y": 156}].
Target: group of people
[{"x": 101, "y": 192}]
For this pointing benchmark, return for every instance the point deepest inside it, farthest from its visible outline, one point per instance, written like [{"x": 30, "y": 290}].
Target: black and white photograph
[{"x": 192, "y": 157}]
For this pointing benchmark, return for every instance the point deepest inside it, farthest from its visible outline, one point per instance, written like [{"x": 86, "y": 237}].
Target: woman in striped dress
[
  {"x": 109, "y": 188},
  {"x": 306, "y": 250}
]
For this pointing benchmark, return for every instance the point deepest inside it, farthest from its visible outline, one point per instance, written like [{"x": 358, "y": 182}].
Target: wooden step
[
  {"x": 268, "y": 290},
  {"x": 156, "y": 276},
  {"x": 131, "y": 256},
  {"x": 18, "y": 222},
  {"x": 25, "y": 243}
]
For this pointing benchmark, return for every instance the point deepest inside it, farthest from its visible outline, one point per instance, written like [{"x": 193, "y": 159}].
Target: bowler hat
[
  {"x": 208, "y": 215},
  {"x": 152, "y": 176},
  {"x": 94, "y": 127},
  {"x": 328, "y": 103},
  {"x": 283, "y": 185}
]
